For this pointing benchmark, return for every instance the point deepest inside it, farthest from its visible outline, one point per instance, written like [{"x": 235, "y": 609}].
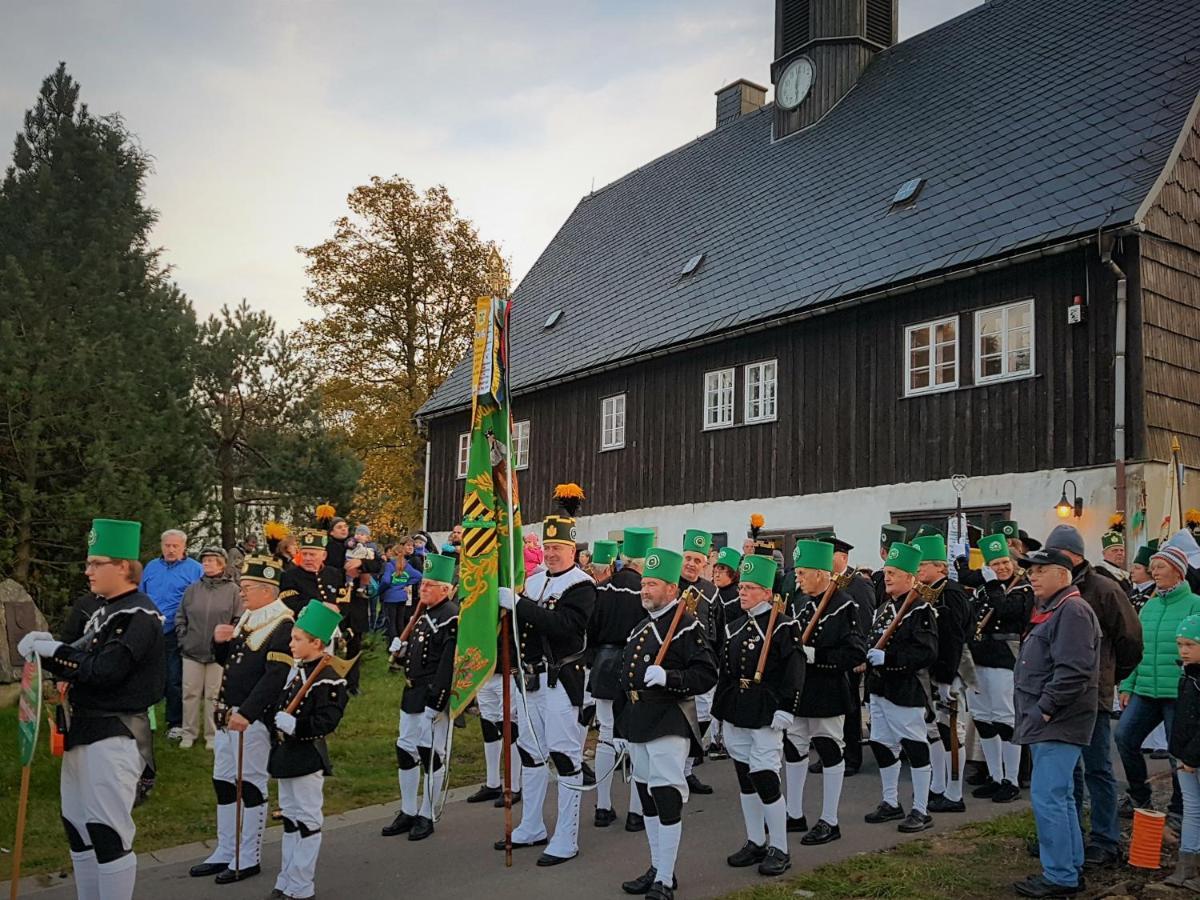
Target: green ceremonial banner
[
  {"x": 29, "y": 712},
  {"x": 491, "y": 549}
]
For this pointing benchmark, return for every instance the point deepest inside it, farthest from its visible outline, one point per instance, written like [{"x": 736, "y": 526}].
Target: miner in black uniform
[
  {"x": 618, "y": 611},
  {"x": 888, "y": 535},
  {"x": 700, "y": 594},
  {"x": 551, "y": 615},
  {"x": 424, "y": 718},
  {"x": 756, "y": 709},
  {"x": 728, "y": 611},
  {"x": 257, "y": 657},
  {"x": 312, "y": 579},
  {"x": 114, "y": 673},
  {"x": 656, "y": 713}
]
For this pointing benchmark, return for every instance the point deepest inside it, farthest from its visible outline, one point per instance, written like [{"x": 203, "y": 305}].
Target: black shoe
[
  {"x": 987, "y": 790},
  {"x": 1007, "y": 793},
  {"x": 635, "y": 822},
  {"x": 516, "y": 798},
  {"x": 1038, "y": 886},
  {"x": 400, "y": 824},
  {"x": 696, "y": 786},
  {"x": 915, "y": 822},
  {"x": 604, "y": 818},
  {"x": 776, "y": 862},
  {"x": 1096, "y": 857},
  {"x": 717, "y": 751},
  {"x": 815, "y": 768},
  {"x": 750, "y": 854},
  {"x": 659, "y": 891},
  {"x": 517, "y": 845},
  {"x": 229, "y": 876},
  {"x": 422, "y": 828},
  {"x": 884, "y": 812},
  {"x": 976, "y": 774},
  {"x": 797, "y": 825},
  {"x": 644, "y": 882},
  {"x": 1034, "y": 849},
  {"x": 821, "y": 833},
  {"x": 942, "y": 804},
  {"x": 1159, "y": 754},
  {"x": 547, "y": 860},
  {"x": 206, "y": 870},
  {"x": 461, "y": 721},
  {"x": 485, "y": 793},
  {"x": 589, "y": 775}
]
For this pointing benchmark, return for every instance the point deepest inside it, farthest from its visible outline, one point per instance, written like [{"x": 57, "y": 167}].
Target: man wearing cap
[
  {"x": 552, "y": 615},
  {"x": 114, "y": 673},
  {"x": 728, "y": 611},
  {"x": 1112, "y": 552},
  {"x": 696, "y": 545},
  {"x": 888, "y": 535},
  {"x": 1140, "y": 577},
  {"x": 1120, "y": 652},
  {"x": 256, "y": 656},
  {"x": 618, "y": 611},
  {"x": 835, "y": 647},
  {"x": 1002, "y": 607},
  {"x": 1055, "y": 699},
  {"x": 952, "y": 608},
  {"x": 312, "y": 579},
  {"x": 424, "y": 722},
  {"x": 898, "y": 694},
  {"x": 604, "y": 558},
  {"x": 756, "y": 706},
  {"x": 656, "y": 713}
]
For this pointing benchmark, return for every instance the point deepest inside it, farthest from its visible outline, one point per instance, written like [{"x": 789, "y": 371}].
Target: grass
[{"x": 181, "y": 809}]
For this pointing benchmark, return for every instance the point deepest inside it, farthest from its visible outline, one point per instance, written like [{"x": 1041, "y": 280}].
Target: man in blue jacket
[{"x": 165, "y": 579}]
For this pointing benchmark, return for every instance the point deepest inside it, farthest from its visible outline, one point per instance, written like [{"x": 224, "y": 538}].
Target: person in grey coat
[
  {"x": 1055, "y": 685},
  {"x": 213, "y": 600}
]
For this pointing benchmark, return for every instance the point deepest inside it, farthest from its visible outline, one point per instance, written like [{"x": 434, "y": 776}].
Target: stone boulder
[{"x": 18, "y": 616}]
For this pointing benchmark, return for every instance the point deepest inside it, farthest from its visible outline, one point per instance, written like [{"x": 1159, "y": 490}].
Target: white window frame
[
  {"x": 769, "y": 391},
  {"x": 1005, "y": 374},
  {"x": 727, "y": 410},
  {"x": 464, "y": 453},
  {"x": 520, "y": 444},
  {"x": 931, "y": 326},
  {"x": 612, "y": 422}
]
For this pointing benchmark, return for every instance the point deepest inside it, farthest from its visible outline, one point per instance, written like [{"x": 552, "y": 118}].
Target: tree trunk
[{"x": 225, "y": 466}]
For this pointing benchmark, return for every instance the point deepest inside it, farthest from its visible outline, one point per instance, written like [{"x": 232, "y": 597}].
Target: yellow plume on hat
[
  {"x": 275, "y": 531},
  {"x": 325, "y": 514},
  {"x": 569, "y": 497},
  {"x": 1117, "y": 522},
  {"x": 756, "y": 522},
  {"x": 1192, "y": 516}
]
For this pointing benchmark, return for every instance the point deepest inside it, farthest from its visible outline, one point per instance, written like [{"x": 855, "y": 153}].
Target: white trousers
[
  {"x": 549, "y": 724},
  {"x": 759, "y": 748},
  {"x": 256, "y": 748},
  {"x": 423, "y": 739},
  {"x": 301, "y": 801},
  {"x": 659, "y": 763},
  {"x": 991, "y": 699}
]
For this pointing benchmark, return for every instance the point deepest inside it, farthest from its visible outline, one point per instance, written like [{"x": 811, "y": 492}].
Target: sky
[{"x": 262, "y": 115}]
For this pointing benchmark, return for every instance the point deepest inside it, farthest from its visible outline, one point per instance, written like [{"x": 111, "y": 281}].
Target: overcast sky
[{"x": 262, "y": 115}]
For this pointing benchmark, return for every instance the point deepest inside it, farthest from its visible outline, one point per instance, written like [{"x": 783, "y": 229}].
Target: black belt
[
  {"x": 651, "y": 695},
  {"x": 996, "y": 636}
]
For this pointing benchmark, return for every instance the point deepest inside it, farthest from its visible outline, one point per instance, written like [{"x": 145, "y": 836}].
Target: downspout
[
  {"x": 425, "y": 497},
  {"x": 1118, "y": 373}
]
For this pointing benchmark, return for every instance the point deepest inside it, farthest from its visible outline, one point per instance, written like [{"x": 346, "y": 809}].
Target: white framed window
[
  {"x": 520, "y": 444},
  {"x": 762, "y": 380},
  {"x": 718, "y": 398},
  {"x": 931, "y": 356},
  {"x": 612, "y": 422},
  {"x": 464, "y": 453},
  {"x": 1004, "y": 342}
]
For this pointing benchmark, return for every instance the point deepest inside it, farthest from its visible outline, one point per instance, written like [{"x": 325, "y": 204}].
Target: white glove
[
  {"x": 656, "y": 676},
  {"x": 988, "y": 574},
  {"x": 810, "y": 654},
  {"x": 285, "y": 722},
  {"x": 944, "y": 693},
  {"x": 44, "y": 647},
  {"x": 395, "y": 645},
  {"x": 431, "y": 713},
  {"x": 506, "y": 599},
  {"x": 875, "y": 657},
  {"x": 25, "y": 645},
  {"x": 781, "y": 721},
  {"x": 620, "y": 745}
]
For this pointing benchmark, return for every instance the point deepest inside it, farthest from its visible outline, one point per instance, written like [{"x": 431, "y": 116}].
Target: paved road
[{"x": 356, "y": 862}]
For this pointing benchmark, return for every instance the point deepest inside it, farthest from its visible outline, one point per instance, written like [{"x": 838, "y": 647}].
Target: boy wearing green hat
[
  {"x": 755, "y": 708},
  {"x": 299, "y": 755},
  {"x": 656, "y": 713},
  {"x": 898, "y": 695},
  {"x": 696, "y": 547},
  {"x": 1002, "y": 607}
]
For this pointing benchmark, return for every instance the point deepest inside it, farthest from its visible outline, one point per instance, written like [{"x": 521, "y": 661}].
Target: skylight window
[
  {"x": 691, "y": 265},
  {"x": 908, "y": 191},
  {"x": 553, "y": 319}
]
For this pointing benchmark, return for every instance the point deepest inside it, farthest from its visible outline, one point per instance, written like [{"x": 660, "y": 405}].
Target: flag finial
[{"x": 497, "y": 277}]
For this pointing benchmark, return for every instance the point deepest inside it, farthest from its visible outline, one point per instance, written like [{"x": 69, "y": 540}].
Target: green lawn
[{"x": 181, "y": 807}]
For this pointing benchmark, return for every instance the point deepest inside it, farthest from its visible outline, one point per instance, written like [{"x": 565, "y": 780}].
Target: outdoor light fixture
[{"x": 1067, "y": 508}]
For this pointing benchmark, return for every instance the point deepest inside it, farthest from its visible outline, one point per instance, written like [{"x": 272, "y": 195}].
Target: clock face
[{"x": 795, "y": 83}]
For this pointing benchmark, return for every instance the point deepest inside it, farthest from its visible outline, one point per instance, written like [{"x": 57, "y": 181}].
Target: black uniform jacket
[
  {"x": 552, "y": 614},
  {"x": 739, "y": 700},
  {"x": 257, "y": 660},
  {"x": 643, "y": 714},
  {"x": 913, "y": 647},
  {"x": 1010, "y": 606},
  {"x": 862, "y": 592},
  {"x": 297, "y": 586},
  {"x": 954, "y": 622},
  {"x": 117, "y": 670},
  {"x": 706, "y": 606},
  {"x": 618, "y": 611},
  {"x": 304, "y": 751},
  {"x": 429, "y": 660},
  {"x": 838, "y": 646}
]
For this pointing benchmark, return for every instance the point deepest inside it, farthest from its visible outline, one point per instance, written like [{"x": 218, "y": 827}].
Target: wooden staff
[
  {"x": 506, "y": 733},
  {"x": 675, "y": 619},
  {"x": 776, "y": 608},
  {"x": 19, "y": 846},
  {"x": 327, "y": 661},
  {"x": 983, "y": 623},
  {"x": 909, "y": 600},
  {"x": 237, "y": 822},
  {"x": 412, "y": 623},
  {"x": 835, "y": 583}
]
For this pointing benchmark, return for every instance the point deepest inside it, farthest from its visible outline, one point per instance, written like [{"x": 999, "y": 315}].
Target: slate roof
[{"x": 1031, "y": 120}]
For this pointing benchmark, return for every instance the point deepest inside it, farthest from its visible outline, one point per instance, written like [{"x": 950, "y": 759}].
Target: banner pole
[
  {"x": 19, "y": 844},
  {"x": 507, "y": 621}
]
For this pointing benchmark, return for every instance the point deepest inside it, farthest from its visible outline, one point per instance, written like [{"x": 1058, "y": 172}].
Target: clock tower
[{"x": 821, "y": 48}]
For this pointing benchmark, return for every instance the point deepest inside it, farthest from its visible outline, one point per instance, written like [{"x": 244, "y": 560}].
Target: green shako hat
[
  {"x": 891, "y": 534},
  {"x": 905, "y": 557},
  {"x": 729, "y": 558},
  {"x": 637, "y": 542},
  {"x": 993, "y": 547},
  {"x": 663, "y": 564},
  {"x": 604, "y": 552},
  {"x": 1146, "y": 551},
  {"x": 932, "y": 547},
  {"x": 312, "y": 538},
  {"x": 1112, "y": 538},
  {"x": 1189, "y": 628},
  {"x": 439, "y": 567},
  {"x": 927, "y": 531},
  {"x": 318, "y": 620},
  {"x": 697, "y": 541},
  {"x": 760, "y": 570},
  {"x": 115, "y": 538},
  {"x": 1008, "y": 528},
  {"x": 264, "y": 569},
  {"x": 813, "y": 555}
]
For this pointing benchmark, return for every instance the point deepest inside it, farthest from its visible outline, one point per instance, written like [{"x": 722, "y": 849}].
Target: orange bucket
[{"x": 1145, "y": 849}]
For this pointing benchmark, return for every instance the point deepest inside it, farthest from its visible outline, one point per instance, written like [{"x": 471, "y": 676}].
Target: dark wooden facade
[{"x": 843, "y": 420}]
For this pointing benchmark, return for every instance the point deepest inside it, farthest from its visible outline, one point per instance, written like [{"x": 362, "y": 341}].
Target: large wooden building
[{"x": 974, "y": 251}]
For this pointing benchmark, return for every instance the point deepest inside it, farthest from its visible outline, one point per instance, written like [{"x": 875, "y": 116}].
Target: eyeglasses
[{"x": 97, "y": 563}]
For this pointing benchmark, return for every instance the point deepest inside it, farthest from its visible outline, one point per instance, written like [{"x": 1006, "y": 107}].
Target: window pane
[
  {"x": 1019, "y": 339},
  {"x": 945, "y": 374},
  {"x": 989, "y": 323},
  {"x": 989, "y": 366},
  {"x": 919, "y": 379},
  {"x": 946, "y": 354},
  {"x": 945, "y": 331},
  {"x": 920, "y": 359},
  {"x": 1018, "y": 361},
  {"x": 918, "y": 337},
  {"x": 989, "y": 345},
  {"x": 1019, "y": 315}
]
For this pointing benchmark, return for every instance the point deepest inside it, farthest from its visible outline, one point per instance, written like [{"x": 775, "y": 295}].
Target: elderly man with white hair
[{"x": 164, "y": 580}]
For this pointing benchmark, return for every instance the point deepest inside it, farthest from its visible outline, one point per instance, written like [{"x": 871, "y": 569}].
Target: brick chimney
[{"x": 737, "y": 99}]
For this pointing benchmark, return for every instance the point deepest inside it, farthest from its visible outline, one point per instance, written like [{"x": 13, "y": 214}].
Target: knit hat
[
  {"x": 1066, "y": 537},
  {"x": 213, "y": 550},
  {"x": 1175, "y": 557},
  {"x": 1189, "y": 628}
]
